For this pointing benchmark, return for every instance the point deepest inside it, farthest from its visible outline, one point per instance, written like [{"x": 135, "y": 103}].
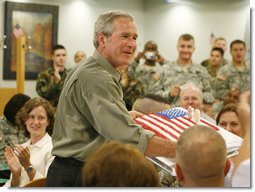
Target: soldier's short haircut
[
  {"x": 238, "y": 41},
  {"x": 56, "y": 47},
  {"x": 151, "y": 42},
  {"x": 219, "y": 50},
  {"x": 186, "y": 37},
  {"x": 201, "y": 152}
]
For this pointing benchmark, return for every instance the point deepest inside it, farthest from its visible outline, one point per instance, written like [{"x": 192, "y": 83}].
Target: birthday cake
[{"x": 171, "y": 123}]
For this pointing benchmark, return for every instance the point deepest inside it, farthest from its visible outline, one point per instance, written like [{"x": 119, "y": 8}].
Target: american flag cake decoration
[
  {"x": 170, "y": 123},
  {"x": 173, "y": 113}
]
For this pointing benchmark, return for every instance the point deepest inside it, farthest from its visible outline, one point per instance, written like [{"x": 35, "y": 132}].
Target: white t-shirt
[
  {"x": 242, "y": 176},
  {"x": 40, "y": 158}
]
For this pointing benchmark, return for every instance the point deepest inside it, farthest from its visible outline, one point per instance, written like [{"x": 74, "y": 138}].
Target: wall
[
  {"x": 75, "y": 30},
  {"x": 83, "y": 14},
  {"x": 156, "y": 20},
  {"x": 166, "y": 22}
]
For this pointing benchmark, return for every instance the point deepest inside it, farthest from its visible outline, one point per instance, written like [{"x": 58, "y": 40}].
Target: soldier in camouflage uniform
[
  {"x": 232, "y": 96},
  {"x": 149, "y": 77},
  {"x": 10, "y": 134},
  {"x": 183, "y": 70},
  {"x": 149, "y": 55},
  {"x": 221, "y": 43},
  {"x": 147, "y": 67},
  {"x": 236, "y": 74},
  {"x": 215, "y": 62},
  {"x": 132, "y": 88},
  {"x": 50, "y": 82}
]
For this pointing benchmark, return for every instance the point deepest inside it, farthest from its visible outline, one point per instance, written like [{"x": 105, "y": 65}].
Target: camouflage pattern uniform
[
  {"x": 9, "y": 135},
  {"x": 46, "y": 86},
  {"x": 145, "y": 74},
  {"x": 206, "y": 62},
  {"x": 229, "y": 77},
  {"x": 174, "y": 74},
  {"x": 213, "y": 78},
  {"x": 132, "y": 69},
  {"x": 216, "y": 107},
  {"x": 133, "y": 91}
]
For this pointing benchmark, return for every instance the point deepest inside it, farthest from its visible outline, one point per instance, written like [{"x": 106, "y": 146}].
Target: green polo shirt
[{"x": 91, "y": 111}]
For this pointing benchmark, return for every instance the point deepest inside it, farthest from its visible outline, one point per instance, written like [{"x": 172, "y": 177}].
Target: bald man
[{"x": 201, "y": 158}]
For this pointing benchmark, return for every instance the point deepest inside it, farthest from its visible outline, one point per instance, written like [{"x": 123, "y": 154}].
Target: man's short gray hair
[
  {"x": 191, "y": 85},
  {"x": 105, "y": 23}
]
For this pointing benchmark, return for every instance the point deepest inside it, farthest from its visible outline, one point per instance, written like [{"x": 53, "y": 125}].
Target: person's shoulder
[
  {"x": 170, "y": 67},
  {"x": 199, "y": 68},
  {"x": 225, "y": 61},
  {"x": 90, "y": 75},
  {"x": 91, "y": 70},
  {"x": 5, "y": 125},
  {"x": 48, "y": 69},
  {"x": 46, "y": 72},
  {"x": 205, "y": 63},
  {"x": 2, "y": 118},
  {"x": 2, "y": 124},
  {"x": 247, "y": 64},
  {"x": 226, "y": 69}
]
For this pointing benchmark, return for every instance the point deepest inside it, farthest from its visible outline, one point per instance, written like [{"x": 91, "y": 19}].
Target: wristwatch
[{"x": 29, "y": 169}]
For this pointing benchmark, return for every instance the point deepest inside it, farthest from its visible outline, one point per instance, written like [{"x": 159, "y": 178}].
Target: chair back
[{"x": 5, "y": 96}]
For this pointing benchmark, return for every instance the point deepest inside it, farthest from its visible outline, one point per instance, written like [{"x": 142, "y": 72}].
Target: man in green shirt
[{"x": 91, "y": 110}]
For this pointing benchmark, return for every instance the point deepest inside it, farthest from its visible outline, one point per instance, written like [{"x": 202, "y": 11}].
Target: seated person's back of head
[
  {"x": 117, "y": 164},
  {"x": 14, "y": 105},
  {"x": 151, "y": 103},
  {"x": 9, "y": 132},
  {"x": 201, "y": 158}
]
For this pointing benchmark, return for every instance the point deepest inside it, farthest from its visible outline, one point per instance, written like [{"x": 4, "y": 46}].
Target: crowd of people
[{"x": 81, "y": 130}]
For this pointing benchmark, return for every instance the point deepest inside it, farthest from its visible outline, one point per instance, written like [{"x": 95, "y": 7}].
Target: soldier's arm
[
  {"x": 163, "y": 89},
  {"x": 46, "y": 86},
  {"x": 207, "y": 87},
  {"x": 132, "y": 69},
  {"x": 222, "y": 85}
]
